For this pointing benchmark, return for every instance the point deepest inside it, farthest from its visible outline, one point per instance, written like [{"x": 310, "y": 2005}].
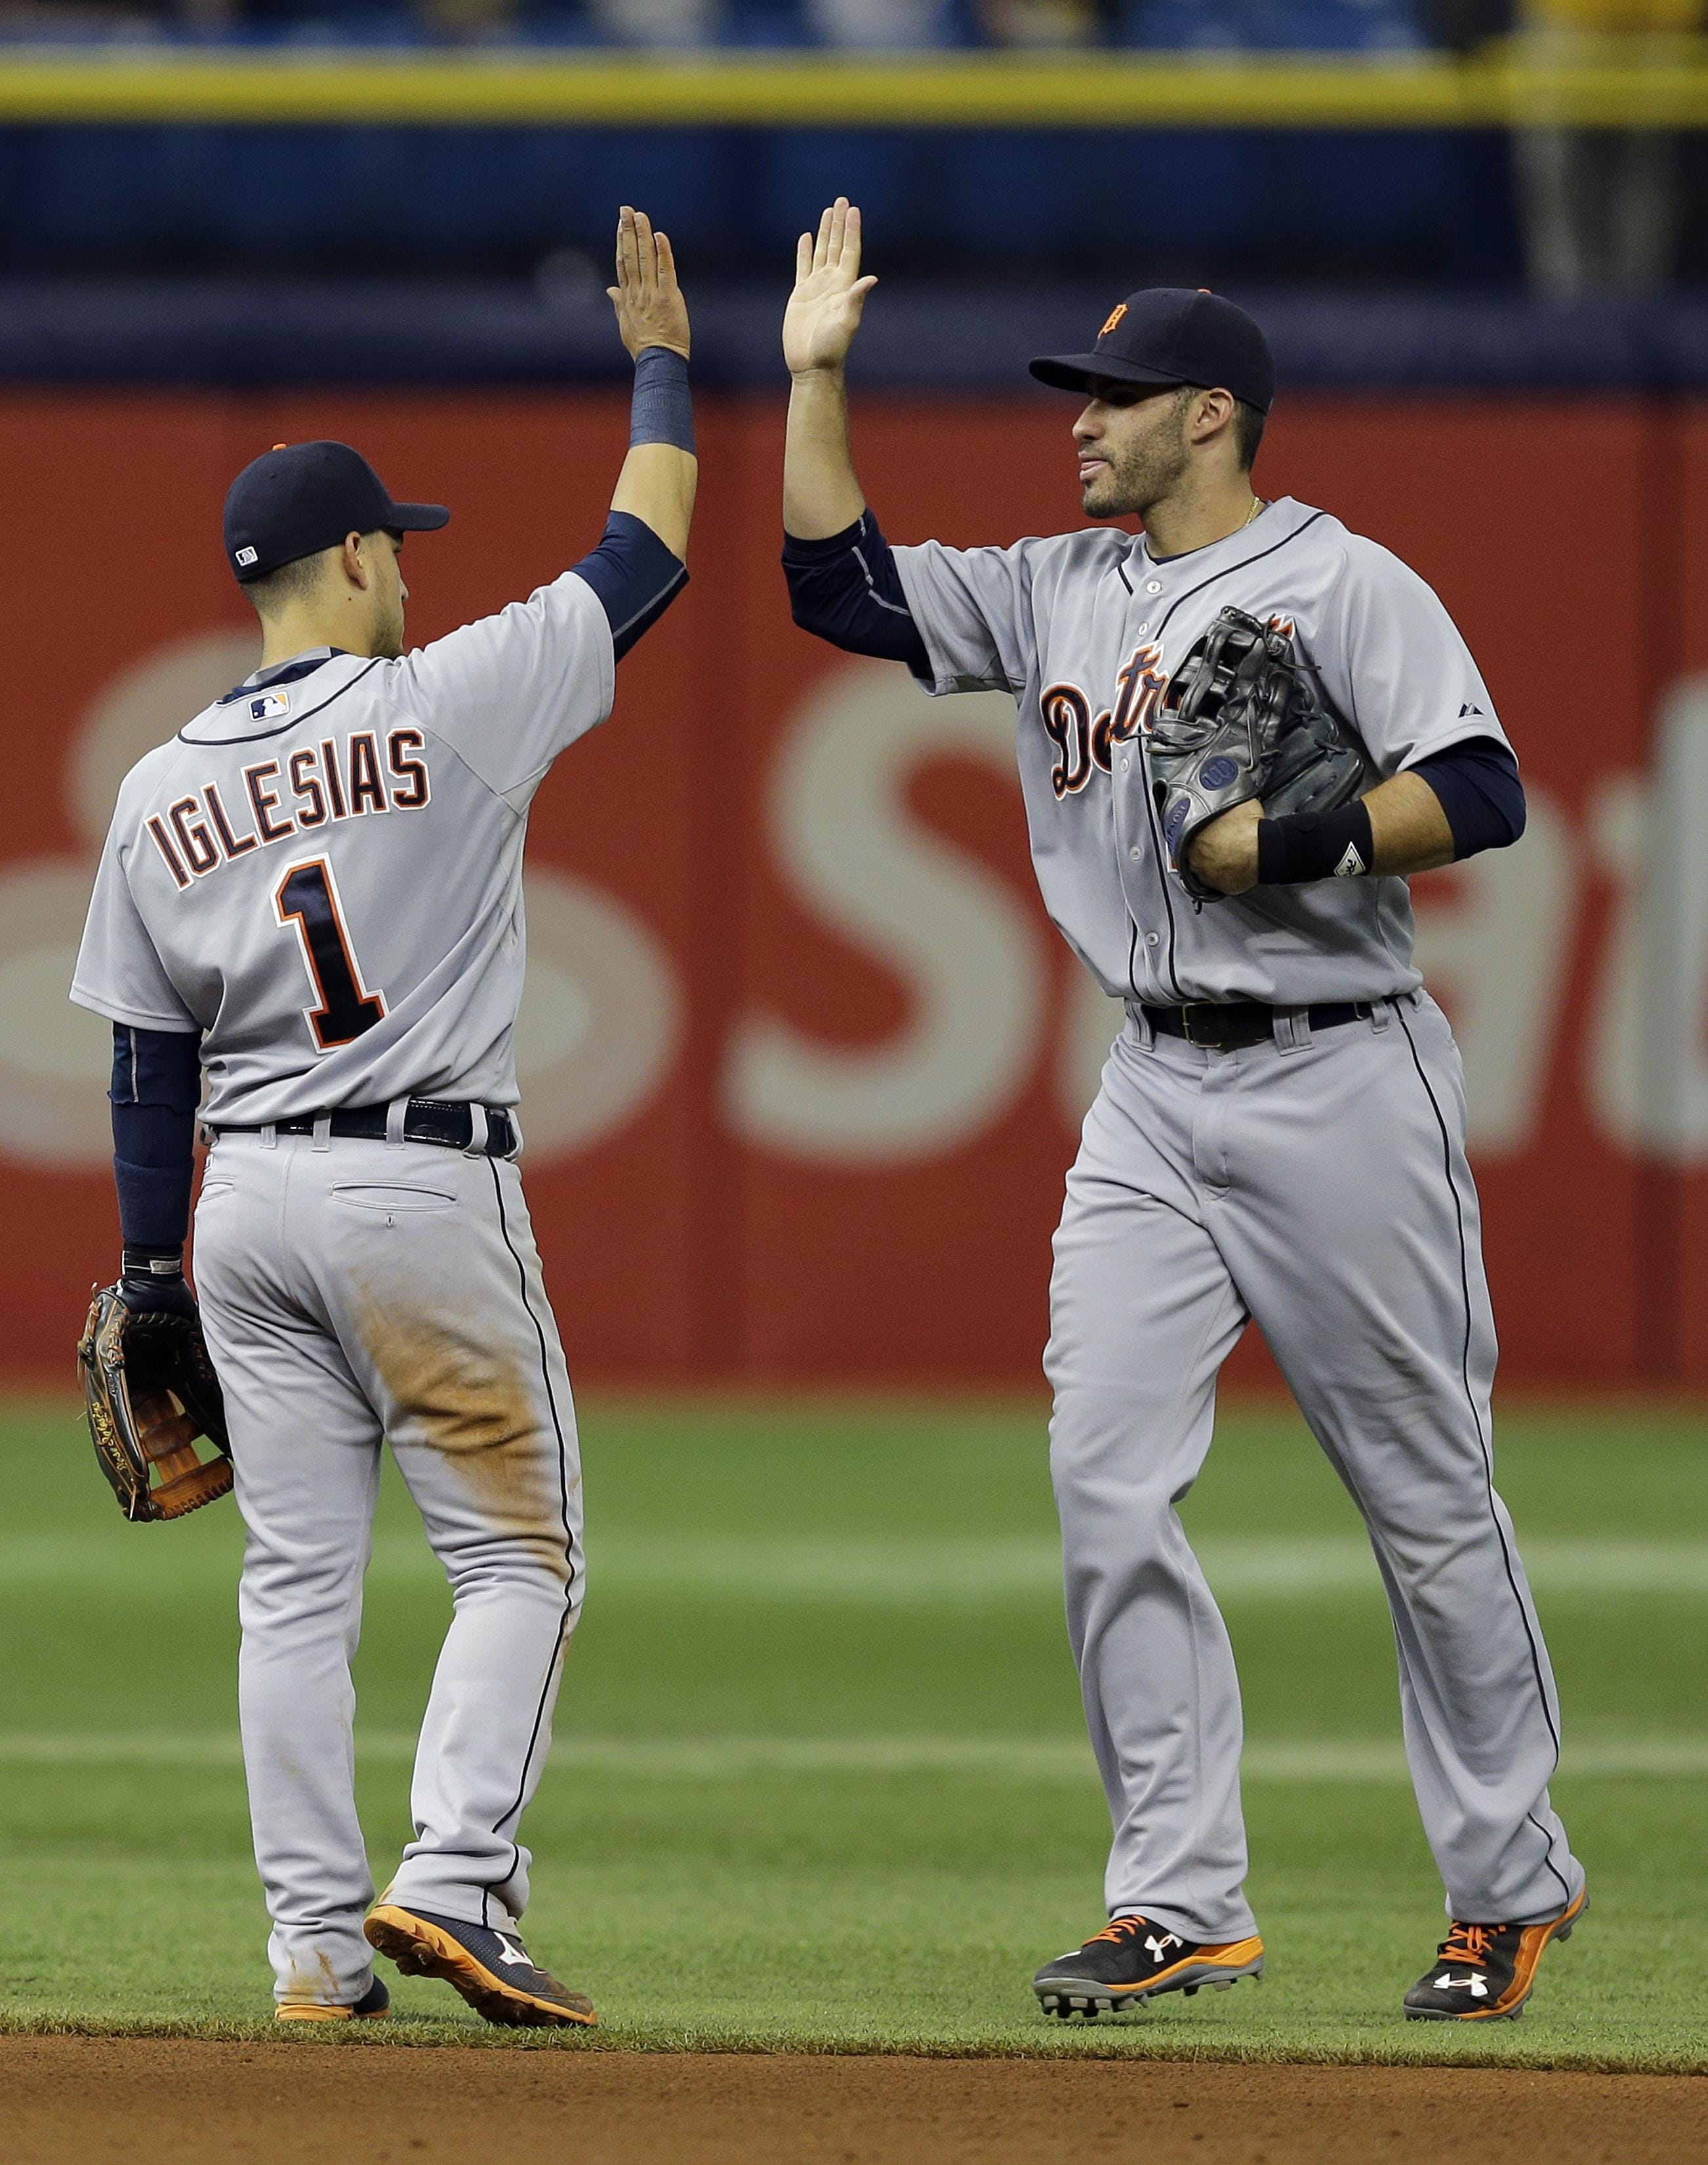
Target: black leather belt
[
  {"x": 452, "y": 1127},
  {"x": 1229, "y": 1025}
]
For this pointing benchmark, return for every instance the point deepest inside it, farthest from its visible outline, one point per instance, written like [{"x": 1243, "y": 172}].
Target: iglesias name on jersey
[{"x": 322, "y": 871}]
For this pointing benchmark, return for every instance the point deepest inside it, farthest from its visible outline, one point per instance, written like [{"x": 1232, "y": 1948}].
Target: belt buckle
[{"x": 1211, "y": 1043}]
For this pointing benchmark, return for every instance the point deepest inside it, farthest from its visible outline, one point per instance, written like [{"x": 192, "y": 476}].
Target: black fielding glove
[
  {"x": 1241, "y": 720},
  {"x": 151, "y": 1282}
]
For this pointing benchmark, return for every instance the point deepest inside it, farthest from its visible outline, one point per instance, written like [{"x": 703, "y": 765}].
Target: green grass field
[{"x": 820, "y": 1781}]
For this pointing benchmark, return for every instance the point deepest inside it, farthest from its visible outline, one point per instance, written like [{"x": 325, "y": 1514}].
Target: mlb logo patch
[
  {"x": 270, "y": 706},
  {"x": 247, "y": 557}
]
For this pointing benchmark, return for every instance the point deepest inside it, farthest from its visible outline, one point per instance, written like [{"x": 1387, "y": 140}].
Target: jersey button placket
[
  {"x": 1128, "y": 788},
  {"x": 1129, "y": 858}
]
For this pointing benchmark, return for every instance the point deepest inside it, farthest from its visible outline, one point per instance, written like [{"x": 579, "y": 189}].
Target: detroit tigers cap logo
[{"x": 1113, "y": 318}]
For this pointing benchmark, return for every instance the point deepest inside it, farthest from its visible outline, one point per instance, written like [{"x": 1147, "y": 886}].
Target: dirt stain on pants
[{"x": 442, "y": 1389}]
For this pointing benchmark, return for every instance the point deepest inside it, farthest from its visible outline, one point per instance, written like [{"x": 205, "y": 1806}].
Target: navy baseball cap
[
  {"x": 299, "y": 498},
  {"x": 1171, "y": 334}
]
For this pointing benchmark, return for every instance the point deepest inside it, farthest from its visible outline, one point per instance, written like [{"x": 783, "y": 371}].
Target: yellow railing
[{"x": 967, "y": 90}]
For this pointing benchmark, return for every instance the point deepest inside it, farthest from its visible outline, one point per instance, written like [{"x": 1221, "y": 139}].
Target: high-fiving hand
[
  {"x": 824, "y": 309},
  {"x": 650, "y": 310}
]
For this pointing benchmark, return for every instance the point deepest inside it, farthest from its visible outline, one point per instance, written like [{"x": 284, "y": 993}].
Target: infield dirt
[{"x": 182, "y": 2102}]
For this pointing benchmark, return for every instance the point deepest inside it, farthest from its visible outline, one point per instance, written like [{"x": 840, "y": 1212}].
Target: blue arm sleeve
[
  {"x": 634, "y": 576},
  {"x": 1481, "y": 793},
  {"x": 846, "y": 589},
  {"x": 156, "y": 1087}
]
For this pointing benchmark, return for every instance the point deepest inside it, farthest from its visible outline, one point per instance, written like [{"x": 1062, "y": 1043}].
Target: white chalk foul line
[
  {"x": 1328, "y": 1760},
  {"x": 899, "y": 1569},
  {"x": 905, "y": 1569}
]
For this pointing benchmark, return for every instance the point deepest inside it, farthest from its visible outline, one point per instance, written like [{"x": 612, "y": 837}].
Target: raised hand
[
  {"x": 650, "y": 310},
  {"x": 824, "y": 309}
]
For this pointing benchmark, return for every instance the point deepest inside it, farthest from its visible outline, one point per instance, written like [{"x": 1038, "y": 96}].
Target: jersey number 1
[{"x": 306, "y": 898}]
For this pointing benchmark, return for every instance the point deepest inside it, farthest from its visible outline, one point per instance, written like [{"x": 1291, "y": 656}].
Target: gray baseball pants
[
  {"x": 1320, "y": 1189},
  {"x": 353, "y": 1291}
]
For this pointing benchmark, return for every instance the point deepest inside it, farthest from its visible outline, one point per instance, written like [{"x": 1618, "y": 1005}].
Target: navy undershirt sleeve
[
  {"x": 156, "y": 1087},
  {"x": 846, "y": 589},
  {"x": 1481, "y": 793},
  {"x": 635, "y": 577}
]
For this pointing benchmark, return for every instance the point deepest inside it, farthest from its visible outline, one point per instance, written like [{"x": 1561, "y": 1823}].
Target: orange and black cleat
[
  {"x": 1484, "y": 1972},
  {"x": 1132, "y": 1960},
  {"x": 493, "y": 1971}
]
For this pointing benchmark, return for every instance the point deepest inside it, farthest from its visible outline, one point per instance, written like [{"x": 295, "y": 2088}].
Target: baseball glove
[
  {"x": 149, "y": 1391},
  {"x": 1240, "y": 718}
]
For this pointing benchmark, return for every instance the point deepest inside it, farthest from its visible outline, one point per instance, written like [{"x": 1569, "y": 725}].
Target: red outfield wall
[{"x": 803, "y": 1060}]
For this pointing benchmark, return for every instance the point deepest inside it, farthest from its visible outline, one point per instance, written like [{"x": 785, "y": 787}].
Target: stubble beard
[{"x": 1138, "y": 478}]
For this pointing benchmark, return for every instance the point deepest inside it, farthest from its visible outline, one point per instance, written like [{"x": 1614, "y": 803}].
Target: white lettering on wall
[
  {"x": 1494, "y": 949},
  {"x": 1091, "y": 1023},
  {"x": 53, "y": 1073},
  {"x": 601, "y": 1016},
  {"x": 1648, "y": 1043},
  {"x": 967, "y": 952}
]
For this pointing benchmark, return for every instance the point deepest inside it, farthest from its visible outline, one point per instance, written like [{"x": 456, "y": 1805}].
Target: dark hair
[
  {"x": 1247, "y": 433},
  {"x": 1248, "y": 424},
  {"x": 292, "y": 583}
]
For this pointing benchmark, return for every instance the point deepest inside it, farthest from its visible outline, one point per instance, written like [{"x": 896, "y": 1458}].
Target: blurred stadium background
[{"x": 802, "y": 1061}]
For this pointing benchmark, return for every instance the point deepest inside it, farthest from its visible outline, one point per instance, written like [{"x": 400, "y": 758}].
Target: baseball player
[
  {"x": 1280, "y": 1133},
  {"x": 310, "y": 906}
]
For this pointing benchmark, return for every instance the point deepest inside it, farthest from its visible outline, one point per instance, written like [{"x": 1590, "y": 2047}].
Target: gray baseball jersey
[
  {"x": 1316, "y": 1183},
  {"x": 323, "y": 871},
  {"x": 1084, "y": 628}
]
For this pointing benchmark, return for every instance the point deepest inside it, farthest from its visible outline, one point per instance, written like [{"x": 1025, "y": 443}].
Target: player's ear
[
  {"x": 1212, "y": 411},
  {"x": 354, "y": 561}
]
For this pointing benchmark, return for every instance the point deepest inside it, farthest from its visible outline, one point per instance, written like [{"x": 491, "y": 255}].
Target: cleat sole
[
  {"x": 1442, "y": 2014},
  {"x": 1066, "y": 2005},
  {"x": 1060, "y": 1996},
  {"x": 299, "y": 2013}
]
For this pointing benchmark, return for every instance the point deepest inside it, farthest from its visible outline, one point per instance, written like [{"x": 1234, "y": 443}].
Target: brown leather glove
[{"x": 149, "y": 1391}]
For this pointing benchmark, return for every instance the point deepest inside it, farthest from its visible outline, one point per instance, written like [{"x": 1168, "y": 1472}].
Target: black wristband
[
  {"x": 154, "y": 1264},
  {"x": 1315, "y": 846}
]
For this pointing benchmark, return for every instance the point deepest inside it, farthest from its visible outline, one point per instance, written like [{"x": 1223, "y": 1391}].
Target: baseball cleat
[
  {"x": 492, "y": 1970},
  {"x": 1484, "y": 1972},
  {"x": 1132, "y": 1960},
  {"x": 375, "y": 2004}
]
